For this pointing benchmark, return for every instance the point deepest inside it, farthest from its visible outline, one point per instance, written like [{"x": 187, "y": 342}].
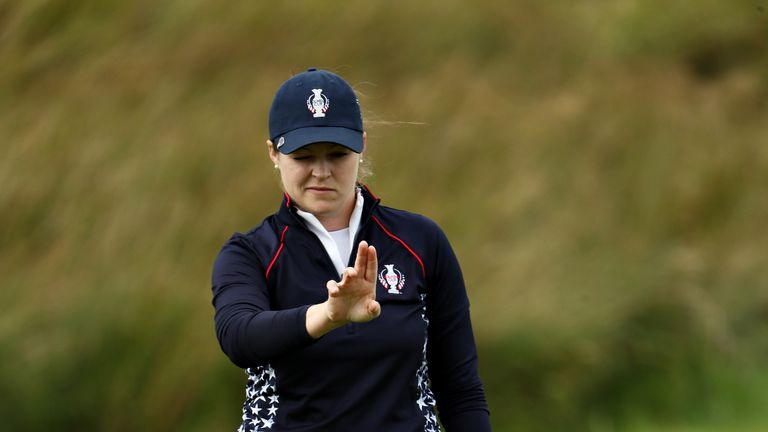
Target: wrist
[{"x": 319, "y": 321}]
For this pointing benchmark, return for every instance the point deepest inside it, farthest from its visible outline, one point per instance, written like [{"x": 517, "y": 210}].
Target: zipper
[
  {"x": 356, "y": 243},
  {"x": 351, "y": 328}
]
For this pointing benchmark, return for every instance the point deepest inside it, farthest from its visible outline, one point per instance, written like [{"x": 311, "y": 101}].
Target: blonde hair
[{"x": 364, "y": 170}]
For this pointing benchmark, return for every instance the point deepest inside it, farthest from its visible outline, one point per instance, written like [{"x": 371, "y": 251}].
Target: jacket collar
[{"x": 286, "y": 214}]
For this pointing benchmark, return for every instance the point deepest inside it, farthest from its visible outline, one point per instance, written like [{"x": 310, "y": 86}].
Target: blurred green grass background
[{"x": 600, "y": 168}]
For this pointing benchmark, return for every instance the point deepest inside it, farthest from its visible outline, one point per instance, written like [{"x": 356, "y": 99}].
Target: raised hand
[
  {"x": 354, "y": 298},
  {"x": 351, "y": 300}
]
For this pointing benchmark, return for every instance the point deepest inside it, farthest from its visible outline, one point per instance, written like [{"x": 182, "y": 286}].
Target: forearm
[
  {"x": 251, "y": 337},
  {"x": 476, "y": 420},
  {"x": 451, "y": 350},
  {"x": 453, "y": 369}
]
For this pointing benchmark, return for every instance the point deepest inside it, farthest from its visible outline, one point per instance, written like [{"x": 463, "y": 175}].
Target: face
[{"x": 320, "y": 178}]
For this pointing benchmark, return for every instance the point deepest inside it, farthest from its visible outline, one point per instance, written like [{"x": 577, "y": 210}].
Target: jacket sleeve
[
  {"x": 451, "y": 351},
  {"x": 249, "y": 332}
]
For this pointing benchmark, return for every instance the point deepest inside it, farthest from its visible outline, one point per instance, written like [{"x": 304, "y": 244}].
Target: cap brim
[{"x": 298, "y": 138}]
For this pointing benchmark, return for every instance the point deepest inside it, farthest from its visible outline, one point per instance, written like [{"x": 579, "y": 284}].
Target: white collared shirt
[{"x": 338, "y": 244}]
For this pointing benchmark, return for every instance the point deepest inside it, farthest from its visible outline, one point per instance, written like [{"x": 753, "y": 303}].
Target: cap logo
[
  {"x": 280, "y": 142},
  {"x": 318, "y": 103}
]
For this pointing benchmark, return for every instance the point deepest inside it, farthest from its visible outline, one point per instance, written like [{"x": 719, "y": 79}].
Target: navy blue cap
[{"x": 315, "y": 106}]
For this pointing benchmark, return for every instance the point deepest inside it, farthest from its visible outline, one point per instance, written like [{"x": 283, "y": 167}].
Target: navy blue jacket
[{"x": 385, "y": 375}]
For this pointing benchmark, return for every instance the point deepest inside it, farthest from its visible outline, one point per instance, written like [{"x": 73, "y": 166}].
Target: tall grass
[{"x": 600, "y": 170}]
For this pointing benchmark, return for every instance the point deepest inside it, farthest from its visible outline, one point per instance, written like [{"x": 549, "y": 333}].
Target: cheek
[
  {"x": 350, "y": 171},
  {"x": 291, "y": 177}
]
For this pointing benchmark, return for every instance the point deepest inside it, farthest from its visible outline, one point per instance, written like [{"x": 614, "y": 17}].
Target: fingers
[
  {"x": 362, "y": 257},
  {"x": 349, "y": 273},
  {"x": 366, "y": 262},
  {"x": 333, "y": 288},
  {"x": 373, "y": 265}
]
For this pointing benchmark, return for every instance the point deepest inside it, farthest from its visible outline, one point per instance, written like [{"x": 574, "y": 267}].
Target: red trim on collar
[
  {"x": 370, "y": 192},
  {"x": 287, "y": 200},
  {"x": 280, "y": 249},
  {"x": 423, "y": 272}
]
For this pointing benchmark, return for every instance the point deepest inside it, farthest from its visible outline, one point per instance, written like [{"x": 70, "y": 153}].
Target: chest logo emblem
[
  {"x": 392, "y": 279},
  {"x": 318, "y": 103}
]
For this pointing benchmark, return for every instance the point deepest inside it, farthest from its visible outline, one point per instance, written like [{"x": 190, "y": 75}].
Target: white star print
[
  {"x": 426, "y": 400},
  {"x": 260, "y": 391},
  {"x": 421, "y": 403}
]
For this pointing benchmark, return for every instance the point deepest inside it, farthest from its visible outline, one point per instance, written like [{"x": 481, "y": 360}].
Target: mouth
[{"x": 319, "y": 189}]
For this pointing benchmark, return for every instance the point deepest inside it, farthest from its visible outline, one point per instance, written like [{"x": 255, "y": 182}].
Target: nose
[{"x": 321, "y": 168}]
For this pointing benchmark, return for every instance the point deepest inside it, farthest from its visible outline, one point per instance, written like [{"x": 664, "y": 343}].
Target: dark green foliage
[{"x": 600, "y": 168}]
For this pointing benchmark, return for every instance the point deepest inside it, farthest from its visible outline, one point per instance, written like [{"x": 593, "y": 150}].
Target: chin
[{"x": 320, "y": 207}]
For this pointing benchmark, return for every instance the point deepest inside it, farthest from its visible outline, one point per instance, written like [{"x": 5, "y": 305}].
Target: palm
[{"x": 354, "y": 298}]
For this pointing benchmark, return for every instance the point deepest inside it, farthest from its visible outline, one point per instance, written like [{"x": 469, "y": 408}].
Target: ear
[
  {"x": 364, "y": 144},
  {"x": 272, "y": 152}
]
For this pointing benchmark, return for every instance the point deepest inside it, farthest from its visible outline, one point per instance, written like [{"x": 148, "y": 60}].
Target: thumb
[{"x": 374, "y": 308}]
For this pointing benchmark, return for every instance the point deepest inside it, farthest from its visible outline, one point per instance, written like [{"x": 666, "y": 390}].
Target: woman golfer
[{"x": 346, "y": 314}]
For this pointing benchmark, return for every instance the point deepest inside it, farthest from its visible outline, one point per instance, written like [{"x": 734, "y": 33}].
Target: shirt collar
[
  {"x": 317, "y": 228},
  {"x": 287, "y": 213}
]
